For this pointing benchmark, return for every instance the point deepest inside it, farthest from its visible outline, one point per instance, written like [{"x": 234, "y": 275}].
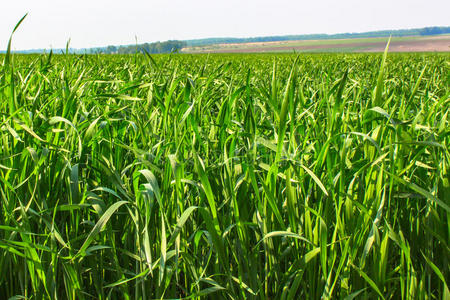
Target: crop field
[
  {"x": 439, "y": 43},
  {"x": 227, "y": 176}
]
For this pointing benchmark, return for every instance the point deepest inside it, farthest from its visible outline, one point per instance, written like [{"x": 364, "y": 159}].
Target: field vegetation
[{"x": 232, "y": 176}]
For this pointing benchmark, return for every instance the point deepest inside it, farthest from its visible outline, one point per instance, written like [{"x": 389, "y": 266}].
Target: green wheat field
[{"x": 226, "y": 176}]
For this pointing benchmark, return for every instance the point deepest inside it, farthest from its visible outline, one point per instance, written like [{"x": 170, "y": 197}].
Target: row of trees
[
  {"x": 158, "y": 47},
  {"x": 434, "y": 30}
]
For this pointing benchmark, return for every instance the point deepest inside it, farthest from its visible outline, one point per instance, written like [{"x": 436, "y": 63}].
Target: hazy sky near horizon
[{"x": 50, "y": 23}]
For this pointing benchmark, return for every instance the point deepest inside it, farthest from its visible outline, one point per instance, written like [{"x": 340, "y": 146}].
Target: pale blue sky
[{"x": 51, "y": 23}]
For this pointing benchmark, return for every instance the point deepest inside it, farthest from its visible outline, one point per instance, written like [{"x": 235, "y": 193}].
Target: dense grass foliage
[{"x": 229, "y": 176}]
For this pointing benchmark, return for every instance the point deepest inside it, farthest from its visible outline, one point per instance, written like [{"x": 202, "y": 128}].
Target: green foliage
[
  {"x": 230, "y": 176},
  {"x": 158, "y": 47}
]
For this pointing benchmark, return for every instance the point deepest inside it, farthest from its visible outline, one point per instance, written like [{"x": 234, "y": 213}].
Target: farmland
[
  {"x": 236, "y": 176},
  {"x": 440, "y": 43}
]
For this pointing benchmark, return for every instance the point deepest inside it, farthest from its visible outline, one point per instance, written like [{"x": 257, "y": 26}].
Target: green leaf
[{"x": 99, "y": 226}]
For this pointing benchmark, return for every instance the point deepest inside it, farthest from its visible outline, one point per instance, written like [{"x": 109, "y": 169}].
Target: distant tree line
[
  {"x": 158, "y": 47},
  {"x": 434, "y": 30}
]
